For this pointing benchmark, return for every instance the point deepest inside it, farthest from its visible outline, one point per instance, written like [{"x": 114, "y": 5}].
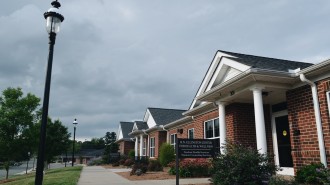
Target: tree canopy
[{"x": 17, "y": 116}]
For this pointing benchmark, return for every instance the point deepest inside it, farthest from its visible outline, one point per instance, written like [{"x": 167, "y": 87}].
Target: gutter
[
  {"x": 178, "y": 122},
  {"x": 245, "y": 74},
  {"x": 317, "y": 119},
  {"x": 314, "y": 67}
]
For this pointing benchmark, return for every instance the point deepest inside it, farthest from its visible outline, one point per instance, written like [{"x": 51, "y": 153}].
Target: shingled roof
[
  {"x": 126, "y": 127},
  {"x": 165, "y": 116},
  {"x": 265, "y": 62},
  {"x": 141, "y": 125}
]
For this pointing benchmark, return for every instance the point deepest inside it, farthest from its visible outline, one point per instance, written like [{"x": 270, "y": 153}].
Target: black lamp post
[
  {"x": 53, "y": 21},
  {"x": 27, "y": 162},
  {"x": 74, "y": 138}
]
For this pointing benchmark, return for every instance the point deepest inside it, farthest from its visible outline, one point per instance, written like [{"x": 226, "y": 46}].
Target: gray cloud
[{"x": 113, "y": 59}]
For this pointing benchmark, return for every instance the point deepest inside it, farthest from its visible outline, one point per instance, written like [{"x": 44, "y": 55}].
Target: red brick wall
[
  {"x": 126, "y": 146},
  {"x": 160, "y": 138},
  {"x": 305, "y": 148},
  {"x": 240, "y": 125}
]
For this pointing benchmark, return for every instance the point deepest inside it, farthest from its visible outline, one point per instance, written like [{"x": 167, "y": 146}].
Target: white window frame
[
  {"x": 144, "y": 148},
  {"x": 328, "y": 100},
  {"x": 193, "y": 133},
  {"x": 213, "y": 129},
  {"x": 173, "y": 142},
  {"x": 152, "y": 147}
]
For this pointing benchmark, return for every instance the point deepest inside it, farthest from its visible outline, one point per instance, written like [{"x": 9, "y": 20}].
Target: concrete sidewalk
[{"x": 97, "y": 175}]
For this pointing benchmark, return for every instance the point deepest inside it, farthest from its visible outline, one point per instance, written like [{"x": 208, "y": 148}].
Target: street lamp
[
  {"x": 74, "y": 138},
  {"x": 27, "y": 162},
  {"x": 53, "y": 21}
]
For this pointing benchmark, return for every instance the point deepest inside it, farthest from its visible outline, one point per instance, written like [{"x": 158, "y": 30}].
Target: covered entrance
[{"x": 282, "y": 143}]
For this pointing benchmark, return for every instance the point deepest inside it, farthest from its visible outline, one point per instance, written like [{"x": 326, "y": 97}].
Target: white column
[
  {"x": 141, "y": 145},
  {"x": 260, "y": 121},
  {"x": 136, "y": 147},
  {"x": 222, "y": 125}
]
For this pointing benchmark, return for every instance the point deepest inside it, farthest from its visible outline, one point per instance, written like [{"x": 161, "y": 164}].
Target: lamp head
[
  {"x": 75, "y": 122},
  {"x": 53, "y": 18}
]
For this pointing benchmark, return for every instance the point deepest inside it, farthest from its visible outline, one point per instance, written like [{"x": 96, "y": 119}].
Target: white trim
[
  {"x": 328, "y": 98},
  {"x": 284, "y": 170},
  {"x": 175, "y": 136},
  {"x": 152, "y": 147},
  {"x": 213, "y": 129}
]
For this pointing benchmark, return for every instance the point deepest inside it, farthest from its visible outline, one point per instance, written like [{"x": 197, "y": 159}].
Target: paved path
[{"x": 97, "y": 175}]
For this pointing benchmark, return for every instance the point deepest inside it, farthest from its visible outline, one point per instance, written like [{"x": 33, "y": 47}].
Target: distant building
[{"x": 124, "y": 141}]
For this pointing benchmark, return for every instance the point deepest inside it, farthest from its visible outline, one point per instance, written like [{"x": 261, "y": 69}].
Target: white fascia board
[
  {"x": 151, "y": 121},
  {"x": 208, "y": 76},
  {"x": 146, "y": 116},
  {"x": 134, "y": 127},
  {"x": 120, "y": 133},
  {"x": 226, "y": 62},
  {"x": 234, "y": 64}
]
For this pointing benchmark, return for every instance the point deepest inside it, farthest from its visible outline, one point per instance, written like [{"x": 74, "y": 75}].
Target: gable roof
[
  {"x": 126, "y": 127},
  {"x": 242, "y": 62},
  {"x": 141, "y": 125},
  {"x": 266, "y": 62},
  {"x": 164, "y": 116}
]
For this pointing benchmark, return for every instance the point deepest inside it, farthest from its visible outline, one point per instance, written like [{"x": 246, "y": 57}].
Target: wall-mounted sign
[{"x": 196, "y": 148}]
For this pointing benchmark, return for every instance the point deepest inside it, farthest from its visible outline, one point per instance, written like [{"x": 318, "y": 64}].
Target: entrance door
[{"x": 283, "y": 141}]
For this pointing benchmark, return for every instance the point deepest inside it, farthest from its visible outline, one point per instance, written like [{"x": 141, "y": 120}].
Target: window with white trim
[
  {"x": 191, "y": 133},
  {"x": 144, "y": 147},
  {"x": 173, "y": 140},
  {"x": 328, "y": 98},
  {"x": 212, "y": 131},
  {"x": 152, "y": 147}
]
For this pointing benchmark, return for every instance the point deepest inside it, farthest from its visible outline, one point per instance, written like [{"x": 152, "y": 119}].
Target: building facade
[{"x": 280, "y": 107}]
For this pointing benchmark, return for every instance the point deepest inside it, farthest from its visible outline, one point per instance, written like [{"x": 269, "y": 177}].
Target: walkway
[{"x": 97, "y": 175}]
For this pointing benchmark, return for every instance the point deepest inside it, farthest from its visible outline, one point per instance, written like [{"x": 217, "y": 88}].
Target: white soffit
[
  {"x": 226, "y": 70},
  {"x": 218, "y": 63}
]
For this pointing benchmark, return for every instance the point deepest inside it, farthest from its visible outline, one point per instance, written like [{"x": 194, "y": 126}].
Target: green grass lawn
[{"x": 61, "y": 176}]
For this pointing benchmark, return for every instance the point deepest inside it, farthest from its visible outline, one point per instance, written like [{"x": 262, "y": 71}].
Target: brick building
[
  {"x": 280, "y": 107},
  {"x": 123, "y": 139}
]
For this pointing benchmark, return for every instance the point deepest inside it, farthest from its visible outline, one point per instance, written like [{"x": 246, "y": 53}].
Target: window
[
  {"x": 212, "y": 131},
  {"x": 328, "y": 97},
  {"x": 173, "y": 140},
  {"x": 152, "y": 147},
  {"x": 191, "y": 133},
  {"x": 144, "y": 147}
]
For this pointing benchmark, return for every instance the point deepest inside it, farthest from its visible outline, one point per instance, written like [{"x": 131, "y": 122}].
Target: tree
[
  {"x": 57, "y": 139},
  {"x": 111, "y": 146},
  {"x": 17, "y": 115},
  {"x": 110, "y": 137}
]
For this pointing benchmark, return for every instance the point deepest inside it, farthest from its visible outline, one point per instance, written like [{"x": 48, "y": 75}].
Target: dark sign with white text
[{"x": 196, "y": 148}]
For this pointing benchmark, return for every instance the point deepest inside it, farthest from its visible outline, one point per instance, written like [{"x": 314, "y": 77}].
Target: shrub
[
  {"x": 241, "y": 165},
  {"x": 139, "y": 168},
  {"x": 166, "y": 154},
  {"x": 192, "y": 168},
  {"x": 131, "y": 154},
  {"x": 313, "y": 174},
  {"x": 129, "y": 162},
  {"x": 154, "y": 165},
  {"x": 115, "y": 164},
  {"x": 279, "y": 180},
  {"x": 122, "y": 161}
]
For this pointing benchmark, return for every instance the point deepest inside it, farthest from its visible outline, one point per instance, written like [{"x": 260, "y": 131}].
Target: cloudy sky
[{"x": 115, "y": 58}]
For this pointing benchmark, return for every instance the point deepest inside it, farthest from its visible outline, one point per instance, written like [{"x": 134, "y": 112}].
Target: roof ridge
[
  {"x": 228, "y": 52},
  {"x": 166, "y": 108}
]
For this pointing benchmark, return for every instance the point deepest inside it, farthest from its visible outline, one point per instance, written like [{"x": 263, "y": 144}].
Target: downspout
[{"x": 317, "y": 119}]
